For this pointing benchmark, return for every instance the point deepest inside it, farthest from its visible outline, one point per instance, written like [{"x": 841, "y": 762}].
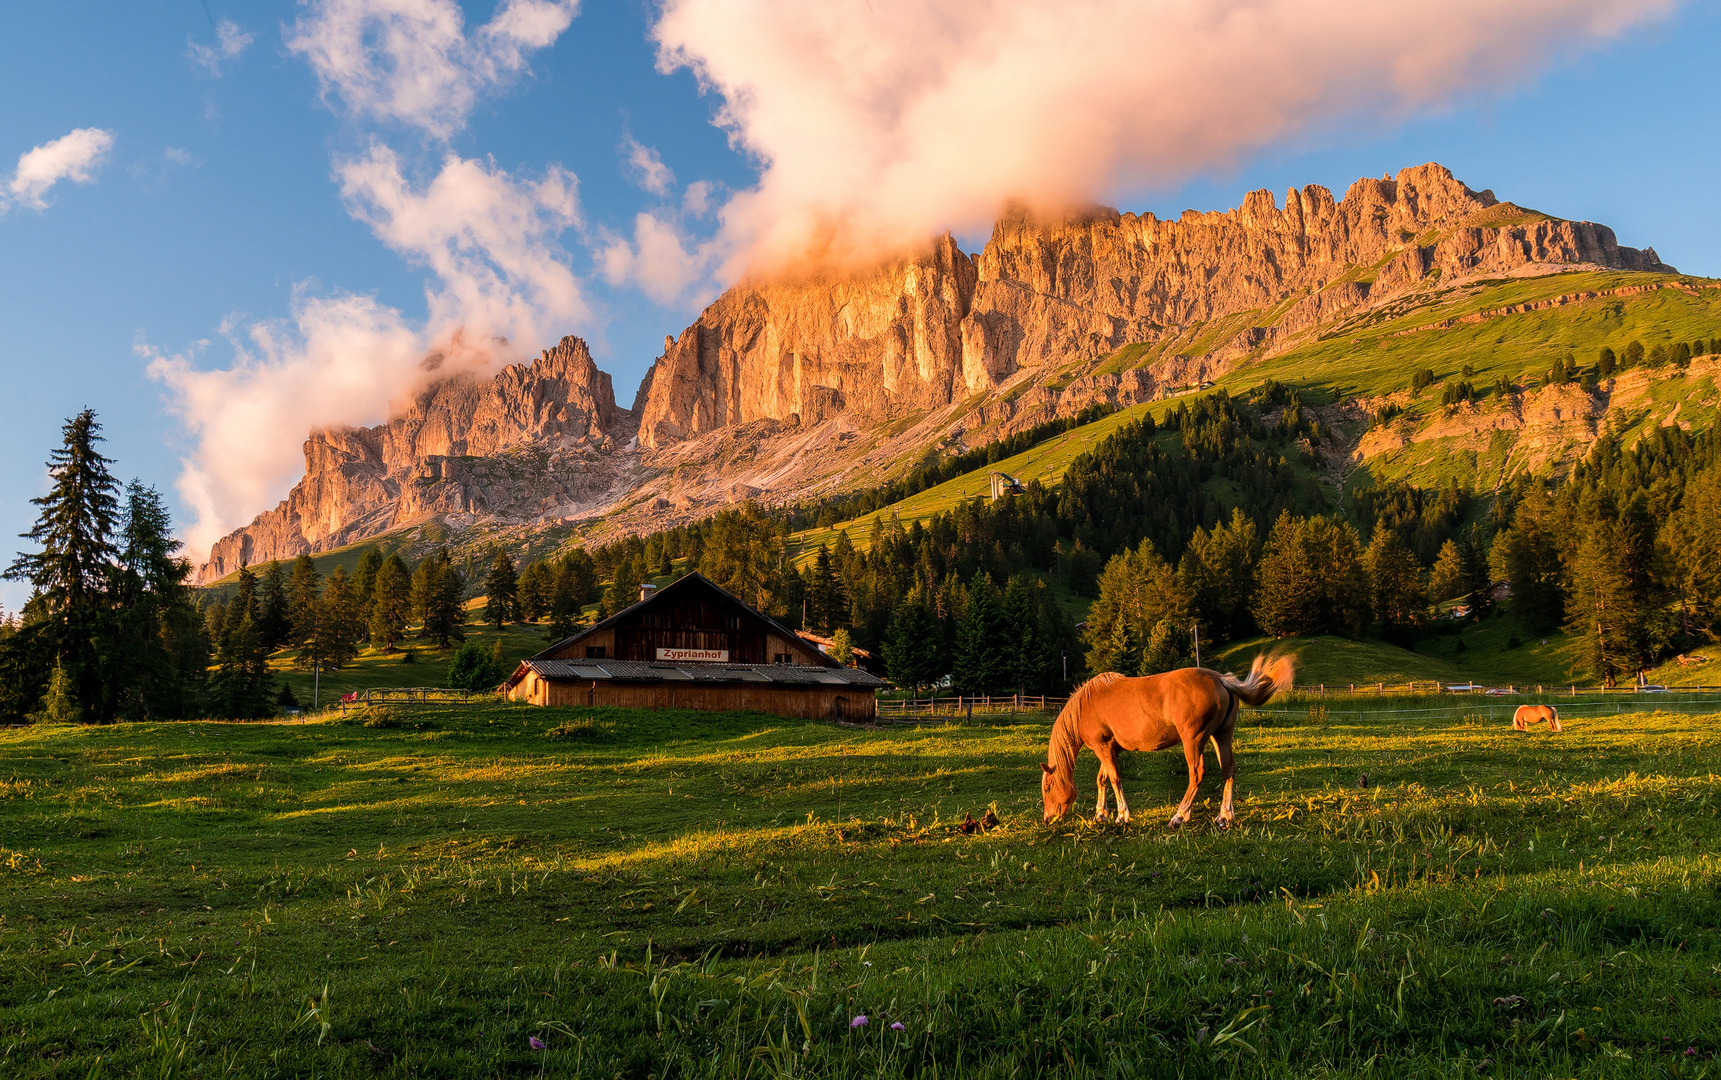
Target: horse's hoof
[
  {"x": 1222, "y": 822},
  {"x": 1174, "y": 823}
]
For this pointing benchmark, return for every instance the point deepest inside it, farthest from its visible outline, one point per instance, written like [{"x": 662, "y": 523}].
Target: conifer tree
[
  {"x": 1527, "y": 556},
  {"x": 338, "y": 623},
  {"x": 1168, "y": 648},
  {"x": 1025, "y": 644},
  {"x": 1395, "y": 581},
  {"x": 1604, "y": 610},
  {"x": 243, "y": 687},
  {"x": 275, "y": 624},
  {"x": 364, "y": 585},
  {"x": 624, "y": 590},
  {"x": 303, "y": 593},
  {"x": 914, "y": 654},
  {"x": 981, "y": 664},
  {"x": 73, "y": 572},
  {"x": 501, "y": 589},
  {"x": 1448, "y": 578},
  {"x": 537, "y": 591},
  {"x": 437, "y": 591},
  {"x": 1218, "y": 570},
  {"x": 158, "y": 650},
  {"x": 391, "y": 603}
]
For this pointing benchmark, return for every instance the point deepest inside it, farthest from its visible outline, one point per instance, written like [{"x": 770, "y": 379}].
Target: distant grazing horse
[
  {"x": 1528, "y": 716},
  {"x": 1191, "y": 706}
]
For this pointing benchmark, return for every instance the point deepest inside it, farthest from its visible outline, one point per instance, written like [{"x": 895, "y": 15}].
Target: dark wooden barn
[{"x": 693, "y": 645}]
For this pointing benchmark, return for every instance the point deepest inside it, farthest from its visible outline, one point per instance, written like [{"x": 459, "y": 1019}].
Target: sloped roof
[
  {"x": 636, "y": 671},
  {"x": 669, "y": 590}
]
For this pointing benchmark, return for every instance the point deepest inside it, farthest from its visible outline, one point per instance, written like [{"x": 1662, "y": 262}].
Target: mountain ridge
[{"x": 788, "y": 390}]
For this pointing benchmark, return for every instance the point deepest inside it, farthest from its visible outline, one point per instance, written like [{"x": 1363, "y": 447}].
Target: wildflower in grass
[
  {"x": 858, "y": 1022},
  {"x": 897, "y": 1025},
  {"x": 534, "y": 1042}
]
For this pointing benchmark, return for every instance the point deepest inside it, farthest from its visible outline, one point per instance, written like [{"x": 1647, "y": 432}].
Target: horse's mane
[{"x": 1066, "y": 738}]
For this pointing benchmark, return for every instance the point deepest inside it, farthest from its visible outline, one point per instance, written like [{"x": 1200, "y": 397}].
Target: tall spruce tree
[
  {"x": 1218, "y": 570},
  {"x": 1395, "y": 580},
  {"x": 275, "y": 624},
  {"x": 981, "y": 662},
  {"x": 391, "y": 603},
  {"x": 159, "y": 649},
  {"x": 437, "y": 593},
  {"x": 339, "y": 626},
  {"x": 501, "y": 589},
  {"x": 303, "y": 595},
  {"x": 914, "y": 654},
  {"x": 73, "y": 573}
]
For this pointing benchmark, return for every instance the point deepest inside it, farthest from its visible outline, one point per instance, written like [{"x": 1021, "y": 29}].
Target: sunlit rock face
[
  {"x": 522, "y": 444},
  {"x": 802, "y": 379},
  {"x": 1053, "y": 291}
]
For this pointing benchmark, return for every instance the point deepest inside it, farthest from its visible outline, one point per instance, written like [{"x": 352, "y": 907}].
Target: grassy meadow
[{"x": 421, "y": 893}]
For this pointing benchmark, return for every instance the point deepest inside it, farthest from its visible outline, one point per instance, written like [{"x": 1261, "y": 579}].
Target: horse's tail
[{"x": 1268, "y": 675}]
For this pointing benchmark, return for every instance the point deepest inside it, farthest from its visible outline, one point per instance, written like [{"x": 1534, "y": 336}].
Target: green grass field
[{"x": 672, "y": 894}]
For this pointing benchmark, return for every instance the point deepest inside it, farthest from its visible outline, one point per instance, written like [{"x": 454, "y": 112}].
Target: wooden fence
[
  {"x": 943, "y": 709},
  {"x": 409, "y": 695}
]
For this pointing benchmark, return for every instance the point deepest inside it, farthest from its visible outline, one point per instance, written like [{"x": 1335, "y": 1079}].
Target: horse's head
[{"x": 1056, "y": 792}]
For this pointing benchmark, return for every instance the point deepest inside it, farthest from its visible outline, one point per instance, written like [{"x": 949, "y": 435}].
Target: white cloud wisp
[
  {"x": 412, "y": 62},
  {"x": 74, "y": 157},
  {"x": 230, "y": 41}
]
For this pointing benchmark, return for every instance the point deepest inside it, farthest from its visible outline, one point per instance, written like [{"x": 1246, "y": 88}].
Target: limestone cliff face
[
  {"x": 1051, "y": 292},
  {"x": 525, "y": 442},
  {"x": 809, "y": 349}
]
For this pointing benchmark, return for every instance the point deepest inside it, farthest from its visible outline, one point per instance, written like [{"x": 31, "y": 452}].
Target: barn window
[
  {"x": 781, "y": 658},
  {"x": 595, "y": 652}
]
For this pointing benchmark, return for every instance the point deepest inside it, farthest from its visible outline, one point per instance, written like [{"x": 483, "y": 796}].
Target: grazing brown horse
[
  {"x": 1528, "y": 716},
  {"x": 1191, "y": 706}
]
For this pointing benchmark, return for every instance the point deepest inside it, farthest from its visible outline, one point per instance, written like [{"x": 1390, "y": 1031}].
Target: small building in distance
[{"x": 693, "y": 645}]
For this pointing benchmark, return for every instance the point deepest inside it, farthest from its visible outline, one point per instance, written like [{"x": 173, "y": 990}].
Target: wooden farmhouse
[{"x": 692, "y": 645}]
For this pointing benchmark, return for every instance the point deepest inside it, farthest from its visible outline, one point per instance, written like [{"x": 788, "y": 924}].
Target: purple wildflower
[
  {"x": 1690, "y": 1051},
  {"x": 898, "y": 1025},
  {"x": 534, "y": 1042},
  {"x": 858, "y": 1022}
]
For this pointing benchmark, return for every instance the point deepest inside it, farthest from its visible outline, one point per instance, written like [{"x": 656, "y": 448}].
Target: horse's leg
[
  {"x": 1191, "y": 755},
  {"x": 1108, "y": 756},
  {"x": 1554, "y": 722},
  {"x": 1227, "y": 769},
  {"x": 1100, "y": 782}
]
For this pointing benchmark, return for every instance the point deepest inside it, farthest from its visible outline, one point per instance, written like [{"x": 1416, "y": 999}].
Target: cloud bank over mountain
[{"x": 878, "y": 123}]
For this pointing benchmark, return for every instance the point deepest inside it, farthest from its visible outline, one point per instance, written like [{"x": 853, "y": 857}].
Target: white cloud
[
  {"x": 73, "y": 157},
  {"x": 490, "y": 239},
  {"x": 412, "y": 62},
  {"x": 500, "y": 286},
  {"x": 230, "y": 41},
  {"x": 343, "y": 361},
  {"x": 880, "y": 122},
  {"x": 660, "y": 259},
  {"x": 645, "y": 167}
]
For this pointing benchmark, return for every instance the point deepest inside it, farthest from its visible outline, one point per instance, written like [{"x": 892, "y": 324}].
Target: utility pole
[
  {"x": 1197, "y": 628},
  {"x": 317, "y": 684}
]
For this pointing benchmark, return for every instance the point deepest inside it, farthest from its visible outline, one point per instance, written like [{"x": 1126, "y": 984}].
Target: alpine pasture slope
[{"x": 664, "y": 894}]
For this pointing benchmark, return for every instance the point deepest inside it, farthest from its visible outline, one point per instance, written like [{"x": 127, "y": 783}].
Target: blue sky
[{"x": 216, "y": 205}]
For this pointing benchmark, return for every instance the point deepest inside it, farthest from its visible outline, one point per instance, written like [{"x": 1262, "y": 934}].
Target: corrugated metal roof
[{"x": 634, "y": 671}]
